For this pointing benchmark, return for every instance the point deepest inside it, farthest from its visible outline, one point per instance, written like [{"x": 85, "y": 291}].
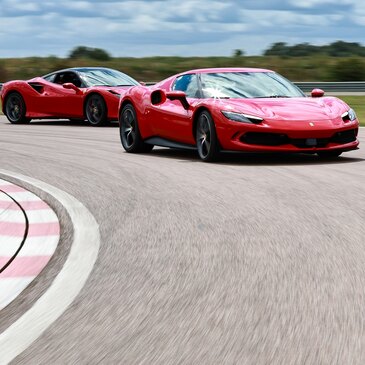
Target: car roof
[
  {"x": 77, "y": 69},
  {"x": 226, "y": 69}
]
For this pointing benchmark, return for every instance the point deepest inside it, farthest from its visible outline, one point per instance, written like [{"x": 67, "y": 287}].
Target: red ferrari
[
  {"x": 235, "y": 109},
  {"x": 91, "y": 93}
]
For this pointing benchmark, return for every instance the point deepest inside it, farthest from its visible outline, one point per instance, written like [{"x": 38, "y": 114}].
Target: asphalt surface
[{"x": 254, "y": 260}]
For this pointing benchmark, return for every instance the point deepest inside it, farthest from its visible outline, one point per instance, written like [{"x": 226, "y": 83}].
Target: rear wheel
[
  {"x": 329, "y": 154},
  {"x": 206, "y": 138},
  {"x": 15, "y": 109},
  {"x": 129, "y": 132},
  {"x": 96, "y": 110}
]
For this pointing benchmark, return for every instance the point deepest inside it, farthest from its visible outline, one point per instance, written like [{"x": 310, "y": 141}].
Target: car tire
[
  {"x": 96, "y": 110},
  {"x": 206, "y": 138},
  {"x": 15, "y": 109},
  {"x": 130, "y": 136},
  {"x": 329, "y": 154}
]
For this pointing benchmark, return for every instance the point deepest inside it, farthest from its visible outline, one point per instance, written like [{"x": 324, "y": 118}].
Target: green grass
[{"x": 354, "y": 101}]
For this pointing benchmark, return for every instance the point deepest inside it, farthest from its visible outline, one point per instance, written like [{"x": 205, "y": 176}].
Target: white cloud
[{"x": 173, "y": 27}]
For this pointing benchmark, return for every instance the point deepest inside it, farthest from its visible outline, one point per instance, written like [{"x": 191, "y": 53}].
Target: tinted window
[
  {"x": 67, "y": 77},
  {"x": 188, "y": 84}
]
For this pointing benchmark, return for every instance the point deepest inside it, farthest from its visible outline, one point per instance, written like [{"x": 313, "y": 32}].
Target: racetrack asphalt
[{"x": 253, "y": 260}]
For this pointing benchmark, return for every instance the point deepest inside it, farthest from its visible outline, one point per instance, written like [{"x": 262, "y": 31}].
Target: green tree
[
  {"x": 238, "y": 53},
  {"x": 344, "y": 49},
  {"x": 88, "y": 52},
  {"x": 277, "y": 49}
]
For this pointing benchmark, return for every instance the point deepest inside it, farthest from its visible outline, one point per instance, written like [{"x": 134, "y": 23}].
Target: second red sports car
[
  {"x": 80, "y": 93},
  {"x": 235, "y": 109}
]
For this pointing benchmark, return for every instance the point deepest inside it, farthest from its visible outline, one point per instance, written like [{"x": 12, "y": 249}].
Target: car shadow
[
  {"x": 248, "y": 158},
  {"x": 66, "y": 122}
]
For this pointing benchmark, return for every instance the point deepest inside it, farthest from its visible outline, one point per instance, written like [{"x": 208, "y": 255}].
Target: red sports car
[
  {"x": 81, "y": 93},
  {"x": 235, "y": 109}
]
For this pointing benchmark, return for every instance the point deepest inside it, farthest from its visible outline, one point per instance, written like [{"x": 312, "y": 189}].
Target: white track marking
[{"x": 67, "y": 284}]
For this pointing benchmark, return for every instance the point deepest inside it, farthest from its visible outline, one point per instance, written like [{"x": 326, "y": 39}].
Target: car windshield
[
  {"x": 248, "y": 85},
  {"x": 105, "y": 77}
]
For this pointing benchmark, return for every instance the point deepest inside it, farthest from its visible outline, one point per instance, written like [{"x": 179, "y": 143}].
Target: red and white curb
[
  {"x": 69, "y": 281},
  {"x": 29, "y": 234}
]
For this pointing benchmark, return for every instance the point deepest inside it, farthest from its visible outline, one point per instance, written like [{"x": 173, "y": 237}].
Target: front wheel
[
  {"x": 15, "y": 109},
  {"x": 96, "y": 110},
  {"x": 129, "y": 132},
  {"x": 206, "y": 138},
  {"x": 329, "y": 154}
]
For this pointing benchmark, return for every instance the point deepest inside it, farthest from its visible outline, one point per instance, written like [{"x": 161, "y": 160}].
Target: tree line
[
  {"x": 335, "y": 49},
  {"x": 338, "y": 61}
]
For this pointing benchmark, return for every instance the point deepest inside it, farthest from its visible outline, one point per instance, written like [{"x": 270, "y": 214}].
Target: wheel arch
[
  {"x": 5, "y": 97},
  {"x": 88, "y": 96},
  {"x": 196, "y": 114},
  {"x": 124, "y": 103}
]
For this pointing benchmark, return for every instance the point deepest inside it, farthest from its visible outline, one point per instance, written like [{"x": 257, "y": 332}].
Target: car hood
[{"x": 287, "y": 108}]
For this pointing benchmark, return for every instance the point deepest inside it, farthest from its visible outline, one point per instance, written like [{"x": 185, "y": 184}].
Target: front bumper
[{"x": 299, "y": 136}]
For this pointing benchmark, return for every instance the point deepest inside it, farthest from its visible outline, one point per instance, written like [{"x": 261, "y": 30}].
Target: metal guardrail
[{"x": 337, "y": 87}]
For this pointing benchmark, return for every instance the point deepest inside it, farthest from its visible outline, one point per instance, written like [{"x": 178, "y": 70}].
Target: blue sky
[{"x": 174, "y": 27}]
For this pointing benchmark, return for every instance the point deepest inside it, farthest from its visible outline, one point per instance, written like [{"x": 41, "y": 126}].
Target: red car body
[
  {"x": 64, "y": 94},
  {"x": 166, "y": 116}
]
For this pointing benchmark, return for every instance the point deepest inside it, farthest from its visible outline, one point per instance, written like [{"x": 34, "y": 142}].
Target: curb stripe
[
  {"x": 12, "y": 188},
  {"x": 35, "y": 246},
  {"x": 35, "y": 229},
  {"x": 34, "y": 216},
  {"x": 27, "y": 205},
  {"x": 24, "y": 196},
  {"x": 23, "y": 266},
  {"x": 67, "y": 284}
]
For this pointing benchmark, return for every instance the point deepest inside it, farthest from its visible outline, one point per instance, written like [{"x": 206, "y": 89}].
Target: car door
[
  {"x": 61, "y": 102},
  {"x": 171, "y": 120}
]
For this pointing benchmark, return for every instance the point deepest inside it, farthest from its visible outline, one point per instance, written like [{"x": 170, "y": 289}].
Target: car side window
[
  {"x": 50, "y": 78},
  {"x": 67, "y": 77},
  {"x": 189, "y": 84}
]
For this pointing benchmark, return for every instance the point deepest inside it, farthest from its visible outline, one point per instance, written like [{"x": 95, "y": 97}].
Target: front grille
[
  {"x": 345, "y": 136},
  {"x": 265, "y": 139},
  {"x": 303, "y": 142},
  {"x": 278, "y": 139}
]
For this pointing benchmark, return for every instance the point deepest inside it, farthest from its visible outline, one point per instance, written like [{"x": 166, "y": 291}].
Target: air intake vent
[{"x": 36, "y": 86}]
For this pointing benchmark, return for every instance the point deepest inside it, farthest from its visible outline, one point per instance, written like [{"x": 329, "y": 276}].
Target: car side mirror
[
  {"x": 317, "y": 93},
  {"x": 71, "y": 86},
  {"x": 158, "y": 97},
  {"x": 178, "y": 95}
]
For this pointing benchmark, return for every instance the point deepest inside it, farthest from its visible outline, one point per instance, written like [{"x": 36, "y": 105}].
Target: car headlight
[
  {"x": 240, "y": 117},
  {"x": 349, "y": 115}
]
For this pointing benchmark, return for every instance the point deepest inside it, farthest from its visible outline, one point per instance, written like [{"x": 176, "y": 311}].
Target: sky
[{"x": 142, "y": 28}]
